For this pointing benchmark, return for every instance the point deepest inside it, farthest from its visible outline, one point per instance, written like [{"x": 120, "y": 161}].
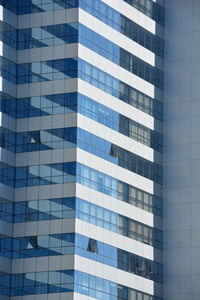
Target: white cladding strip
[
  {"x": 70, "y": 262},
  {"x": 60, "y": 155},
  {"x": 64, "y": 121},
  {"x": 133, "y": 14},
  {"x": 109, "y": 273},
  {"x": 44, "y": 227},
  {"x": 137, "y": 16},
  {"x": 104, "y": 30},
  {"x": 74, "y": 85},
  {"x": 47, "y": 122},
  {"x": 64, "y": 86},
  {"x": 90, "y": 195},
  {"x": 117, "y": 206},
  {"x": 115, "y": 104},
  {"x": 70, "y": 119},
  {"x": 45, "y": 192},
  {"x": 103, "y": 235},
  {"x": 115, "y": 171},
  {"x": 56, "y": 120},
  {"x": 71, "y": 51},
  {"x": 64, "y": 190},
  {"x": 116, "y": 37},
  {"x": 82, "y": 264},
  {"x": 45, "y": 157},
  {"x": 47, "y": 88},
  {"x": 116, "y": 240},
  {"x": 71, "y": 15},
  {"x": 76, "y": 154},
  {"x": 109, "y": 67},
  {"x": 1, "y": 12},
  {"x": 48, "y": 18},
  {"x": 42, "y": 264},
  {"x": 86, "y": 158},
  {"x": 47, "y": 53},
  {"x": 119, "y": 139}
]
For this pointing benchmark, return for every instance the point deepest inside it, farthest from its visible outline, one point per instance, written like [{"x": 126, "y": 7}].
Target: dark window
[
  {"x": 150, "y": 268},
  {"x": 114, "y": 151},
  {"x": 35, "y": 137},
  {"x": 2, "y": 141},
  {"x": 92, "y": 246},
  {"x": 32, "y": 242},
  {"x": 140, "y": 264}
]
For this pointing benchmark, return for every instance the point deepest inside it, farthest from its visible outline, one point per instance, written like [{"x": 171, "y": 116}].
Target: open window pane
[
  {"x": 92, "y": 246},
  {"x": 32, "y": 242},
  {"x": 35, "y": 137}
]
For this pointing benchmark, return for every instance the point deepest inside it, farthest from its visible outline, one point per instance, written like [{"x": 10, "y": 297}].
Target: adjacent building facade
[
  {"x": 81, "y": 145},
  {"x": 181, "y": 125}
]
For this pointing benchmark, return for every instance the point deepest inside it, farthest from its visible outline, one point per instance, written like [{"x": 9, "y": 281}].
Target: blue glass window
[
  {"x": 91, "y": 143},
  {"x": 84, "y": 175},
  {"x": 72, "y": 68},
  {"x": 148, "y": 7},
  {"x": 70, "y": 243},
  {"x": 67, "y": 281}
]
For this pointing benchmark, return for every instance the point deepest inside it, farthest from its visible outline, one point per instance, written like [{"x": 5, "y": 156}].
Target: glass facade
[
  {"x": 69, "y": 281},
  {"x": 69, "y": 244},
  {"x": 74, "y": 102},
  {"x": 71, "y": 33},
  {"x": 81, "y": 149},
  {"x": 59, "y": 69}
]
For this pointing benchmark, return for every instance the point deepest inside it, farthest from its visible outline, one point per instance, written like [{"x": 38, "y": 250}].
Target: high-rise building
[
  {"x": 81, "y": 149},
  {"x": 86, "y": 211}
]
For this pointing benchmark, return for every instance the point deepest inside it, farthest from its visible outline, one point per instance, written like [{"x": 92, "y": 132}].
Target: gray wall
[{"x": 182, "y": 151}]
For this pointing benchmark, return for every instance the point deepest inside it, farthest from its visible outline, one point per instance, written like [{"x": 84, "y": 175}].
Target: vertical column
[{"x": 8, "y": 56}]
